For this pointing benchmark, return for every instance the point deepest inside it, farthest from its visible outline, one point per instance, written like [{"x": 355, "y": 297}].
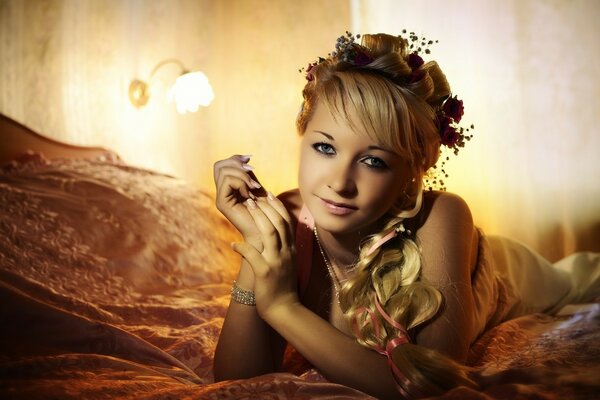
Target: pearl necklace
[{"x": 334, "y": 278}]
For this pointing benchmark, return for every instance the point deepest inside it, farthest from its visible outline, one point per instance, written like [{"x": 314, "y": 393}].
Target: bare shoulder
[
  {"x": 447, "y": 235},
  {"x": 443, "y": 210},
  {"x": 292, "y": 201}
]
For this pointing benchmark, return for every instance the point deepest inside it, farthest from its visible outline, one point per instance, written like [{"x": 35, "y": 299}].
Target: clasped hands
[{"x": 266, "y": 226}]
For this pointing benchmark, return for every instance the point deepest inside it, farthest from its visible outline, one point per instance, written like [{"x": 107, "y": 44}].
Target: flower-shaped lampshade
[{"x": 190, "y": 91}]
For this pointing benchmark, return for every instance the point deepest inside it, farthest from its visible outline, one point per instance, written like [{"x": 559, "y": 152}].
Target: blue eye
[
  {"x": 324, "y": 148},
  {"x": 374, "y": 162}
]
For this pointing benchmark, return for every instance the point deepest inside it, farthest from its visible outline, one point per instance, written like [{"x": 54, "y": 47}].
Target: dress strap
[{"x": 304, "y": 248}]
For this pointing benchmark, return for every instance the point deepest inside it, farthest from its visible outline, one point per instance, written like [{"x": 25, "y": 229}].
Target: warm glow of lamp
[{"x": 190, "y": 91}]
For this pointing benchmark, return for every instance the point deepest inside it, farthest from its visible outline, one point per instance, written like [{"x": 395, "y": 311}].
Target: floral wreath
[{"x": 448, "y": 114}]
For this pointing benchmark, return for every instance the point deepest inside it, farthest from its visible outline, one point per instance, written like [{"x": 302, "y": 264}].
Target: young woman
[{"x": 381, "y": 284}]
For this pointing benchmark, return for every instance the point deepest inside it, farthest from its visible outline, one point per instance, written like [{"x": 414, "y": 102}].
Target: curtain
[{"x": 529, "y": 74}]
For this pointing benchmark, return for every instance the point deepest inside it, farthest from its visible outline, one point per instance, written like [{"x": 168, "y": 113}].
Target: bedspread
[{"x": 114, "y": 282}]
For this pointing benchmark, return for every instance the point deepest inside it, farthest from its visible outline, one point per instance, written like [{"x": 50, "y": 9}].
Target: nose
[{"x": 342, "y": 179}]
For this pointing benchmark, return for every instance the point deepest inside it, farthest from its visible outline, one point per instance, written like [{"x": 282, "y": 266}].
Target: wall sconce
[{"x": 190, "y": 90}]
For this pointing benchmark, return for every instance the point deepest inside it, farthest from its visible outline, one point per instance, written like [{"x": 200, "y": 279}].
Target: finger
[
  {"x": 243, "y": 158},
  {"x": 233, "y": 161},
  {"x": 228, "y": 162},
  {"x": 282, "y": 220},
  {"x": 260, "y": 191},
  {"x": 281, "y": 209},
  {"x": 269, "y": 234},
  {"x": 231, "y": 191},
  {"x": 282, "y": 225},
  {"x": 235, "y": 178},
  {"x": 254, "y": 258},
  {"x": 235, "y": 170},
  {"x": 241, "y": 162}
]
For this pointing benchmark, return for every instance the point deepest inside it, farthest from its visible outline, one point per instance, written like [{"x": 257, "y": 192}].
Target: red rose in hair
[
  {"x": 414, "y": 61},
  {"x": 361, "y": 59},
  {"x": 454, "y": 109},
  {"x": 448, "y": 134}
]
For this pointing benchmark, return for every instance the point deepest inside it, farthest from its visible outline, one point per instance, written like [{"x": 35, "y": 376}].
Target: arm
[
  {"x": 336, "y": 355},
  {"x": 247, "y": 346},
  {"x": 449, "y": 246}
]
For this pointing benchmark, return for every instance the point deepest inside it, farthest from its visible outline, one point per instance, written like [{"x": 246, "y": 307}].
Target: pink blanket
[{"x": 114, "y": 282}]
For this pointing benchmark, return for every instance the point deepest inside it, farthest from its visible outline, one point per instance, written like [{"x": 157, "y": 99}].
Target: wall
[{"x": 66, "y": 66}]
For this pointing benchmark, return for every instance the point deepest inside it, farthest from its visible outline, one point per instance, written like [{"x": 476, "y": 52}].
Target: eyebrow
[
  {"x": 328, "y": 136},
  {"x": 372, "y": 147}
]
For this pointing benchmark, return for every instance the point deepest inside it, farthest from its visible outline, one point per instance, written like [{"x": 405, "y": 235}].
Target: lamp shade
[{"x": 190, "y": 91}]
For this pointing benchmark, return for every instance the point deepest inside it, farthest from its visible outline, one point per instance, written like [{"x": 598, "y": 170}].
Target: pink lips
[{"x": 337, "y": 208}]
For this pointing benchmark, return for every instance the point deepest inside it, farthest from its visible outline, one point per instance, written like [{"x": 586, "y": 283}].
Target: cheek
[
  {"x": 312, "y": 171},
  {"x": 381, "y": 193},
  {"x": 306, "y": 169}
]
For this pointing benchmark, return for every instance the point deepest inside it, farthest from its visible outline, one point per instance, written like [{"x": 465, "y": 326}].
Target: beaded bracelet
[{"x": 242, "y": 296}]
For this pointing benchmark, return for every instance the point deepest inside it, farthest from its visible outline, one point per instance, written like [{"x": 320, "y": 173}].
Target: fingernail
[
  {"x": 246, "y": 158},
  {"x": 255, "y": 184},
  {"x": 247, "y": 167},
  {"x": 270, "y": 196},
  {"x": 251, "y": 195},
  {"x": 251, "y": 203}
]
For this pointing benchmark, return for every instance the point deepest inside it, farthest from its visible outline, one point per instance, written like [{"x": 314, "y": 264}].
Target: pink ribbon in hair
[
  {"x": 389, "y": 236},
  {"x": 403, "y": 384},
  {"x": 406, "y": 388},
  {"x": 389, "y": 319},
  {"x": 402, "y": 338}
]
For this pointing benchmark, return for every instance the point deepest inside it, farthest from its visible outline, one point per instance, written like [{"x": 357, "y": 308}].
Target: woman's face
[{"x": 347, "y": 181}]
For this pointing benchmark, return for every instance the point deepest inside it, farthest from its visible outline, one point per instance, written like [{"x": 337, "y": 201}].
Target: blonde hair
[{"x": 399, "y": 113}]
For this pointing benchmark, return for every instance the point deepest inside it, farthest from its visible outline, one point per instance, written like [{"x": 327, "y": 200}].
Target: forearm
[
  {"x": 339, "y": 357},
  {"x": 247, "y": 345}
]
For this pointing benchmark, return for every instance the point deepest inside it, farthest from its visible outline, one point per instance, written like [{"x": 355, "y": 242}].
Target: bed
[{"x": 114, "y": 281}]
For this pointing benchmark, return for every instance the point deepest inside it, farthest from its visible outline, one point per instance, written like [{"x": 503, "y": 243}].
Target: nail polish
[{"x": 251, "y": 203}]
